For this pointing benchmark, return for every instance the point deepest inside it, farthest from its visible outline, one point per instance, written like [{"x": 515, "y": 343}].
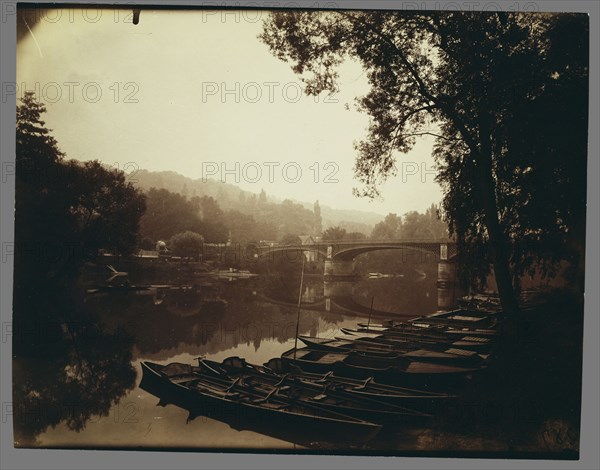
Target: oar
[{"x": 335, "y": 394}]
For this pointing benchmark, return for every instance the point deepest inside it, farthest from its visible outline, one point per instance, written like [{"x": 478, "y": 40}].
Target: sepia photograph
[{"x": 299, "y": 230}]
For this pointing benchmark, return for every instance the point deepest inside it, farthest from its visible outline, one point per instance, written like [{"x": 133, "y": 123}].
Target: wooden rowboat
[
  {"x": 460, "y": 318},
  {"x": 262, "y": 380},
  {"x": 418, "y": 399},
  {"x": 357, "y": 365},
  {"x": 386, "y": 351},
  {"x": 201, "y": 390},
  {"x": 471, "y": 343}
]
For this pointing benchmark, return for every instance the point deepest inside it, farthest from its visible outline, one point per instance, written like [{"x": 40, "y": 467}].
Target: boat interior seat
[
  {"x": 273, "y": 406},
  {"x": 182, "y": 379},
  {"x": 237, "y": 381},
  {"x": 176, "y": 369},
  {"x": 223, "y": 393},
  {"x": 476, "y": 339},
  {"x": 319, "y": 397},
  {"x": 329, "y": 358},
  {"x": 325, "y": 378},
  {"x": 268, "y": 397},
  {"x": 266, "y": 400}
]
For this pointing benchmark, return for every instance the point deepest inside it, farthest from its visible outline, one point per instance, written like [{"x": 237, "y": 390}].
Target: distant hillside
[
  {"x": 231, "y": 197},
  {"x": 351, "y": 220},
  {"x": 226, "y": 194}
]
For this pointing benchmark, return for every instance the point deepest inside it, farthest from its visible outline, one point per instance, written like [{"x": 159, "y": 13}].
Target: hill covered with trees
[{"x": 286, "y": 215}]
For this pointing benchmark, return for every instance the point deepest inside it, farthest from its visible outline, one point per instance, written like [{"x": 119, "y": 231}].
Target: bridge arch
[
  {"x": 343, "y": 305},
  {"x": 351, "y": 253},
  {"x": 345, "y": 250},
  {"x": 272, "y": 250}
]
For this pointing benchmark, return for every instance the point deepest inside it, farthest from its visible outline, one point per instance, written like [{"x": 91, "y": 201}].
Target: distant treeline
[
  {"x": 168, "y": 213},
  {"x": 231, "y": 197},
  {"x": 256, "y": 219},
  {"x": 67, "y": 211},
  {"x": 221, "y": 211}
]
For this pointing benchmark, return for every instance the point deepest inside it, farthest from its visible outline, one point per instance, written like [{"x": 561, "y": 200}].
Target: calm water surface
[{"x": 85, "y": 391}]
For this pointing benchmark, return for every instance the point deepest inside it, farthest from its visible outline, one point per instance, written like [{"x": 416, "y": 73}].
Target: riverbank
[{"x": 528, "y": 401}]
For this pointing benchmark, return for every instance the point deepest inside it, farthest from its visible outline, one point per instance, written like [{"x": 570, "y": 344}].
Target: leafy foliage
[
  {"x": 272, "y": 220},
  {"x": 334, "y": 233},
  {"x": 290, "y": 240},
  {"x": 170, "y": 213},
  {"x": 388, "y": 229},
  {"x": 504, "y": 94},
  {"x": 318, "y": 228},
  {"x": 65, "y": 211},
  {"x": 412, "y": 226},
  {"x": 108, "y": 208},
  {"x": 187, "y": 244}
]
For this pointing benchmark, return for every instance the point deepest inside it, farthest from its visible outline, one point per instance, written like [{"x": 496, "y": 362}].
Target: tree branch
[{"x": 437, "y": 101}]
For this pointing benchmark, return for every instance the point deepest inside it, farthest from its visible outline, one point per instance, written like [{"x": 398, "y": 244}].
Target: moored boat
[
  {"x": 188, "y": 383},
  {"x": 262, "y": 380},
  {"x": 460, "y": 318},
  {"x": 357, "y": 365},
  {"x": 390, "y": 351},
  {"x": 398, "y": 340},
  {"x": 440, "y": 322},
  {"x": 418, "y": 399}
]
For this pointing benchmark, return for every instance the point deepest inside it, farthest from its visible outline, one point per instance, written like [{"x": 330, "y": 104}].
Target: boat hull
[
  {"x": 245, "y": 415},
  {"x": 427, "y": 375},
  {"x": 388, "y": 352},
  {"x": 336, "y": 400},
  {"x": 420, "y": 400}
]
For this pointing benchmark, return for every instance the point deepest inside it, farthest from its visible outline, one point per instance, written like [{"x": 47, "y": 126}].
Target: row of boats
[{"x": 349, "y": 386}]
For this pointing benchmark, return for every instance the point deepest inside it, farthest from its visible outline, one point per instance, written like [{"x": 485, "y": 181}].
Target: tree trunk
[{"x": 498, "y": 242}]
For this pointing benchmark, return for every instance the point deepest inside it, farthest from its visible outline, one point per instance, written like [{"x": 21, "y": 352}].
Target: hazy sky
[{"x": 197, "y": 93}]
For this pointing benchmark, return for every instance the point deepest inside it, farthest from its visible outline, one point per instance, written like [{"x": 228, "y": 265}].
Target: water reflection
[
  {"x": 66, "y": 367},
  {"x": 76, "y": 365}
]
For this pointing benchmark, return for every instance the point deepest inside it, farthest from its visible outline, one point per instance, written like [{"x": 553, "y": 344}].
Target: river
[{"x": 81, "y": 388}]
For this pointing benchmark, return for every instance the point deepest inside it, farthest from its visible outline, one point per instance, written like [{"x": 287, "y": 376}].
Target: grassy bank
[{"x": 528, "y": 401}]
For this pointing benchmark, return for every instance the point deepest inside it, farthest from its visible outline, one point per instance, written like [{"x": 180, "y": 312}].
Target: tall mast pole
[{"x": 299, "y": 301}]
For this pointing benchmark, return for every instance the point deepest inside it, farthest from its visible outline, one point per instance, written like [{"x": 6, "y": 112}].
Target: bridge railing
[
  {"x": 348, "y": 249},
  {"x": 387, "y": 241}
]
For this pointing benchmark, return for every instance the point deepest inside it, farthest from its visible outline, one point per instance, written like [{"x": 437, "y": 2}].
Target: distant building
[
  {"x": 147, "y": 254},
  {"x": 308, "y": 240},
  {"x": 162, "y": 249}
]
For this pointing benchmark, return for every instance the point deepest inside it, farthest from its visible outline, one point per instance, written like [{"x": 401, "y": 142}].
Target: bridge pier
[
  {"x": 339, "y": 268},
  {"x": 337, "y": 289},
  {"x": 447, "y": 285}
]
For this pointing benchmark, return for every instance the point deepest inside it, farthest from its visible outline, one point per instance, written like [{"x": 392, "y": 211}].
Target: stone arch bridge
[
  {"x": 339, "y": 258},
  {"x": 339, "y": 255}
]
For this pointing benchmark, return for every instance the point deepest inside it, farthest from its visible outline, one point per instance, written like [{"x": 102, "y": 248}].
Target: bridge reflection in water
[
  {"x": 112, "y": 332},
  {"x": 339, "y": 267},
  {"x": 353, "y": 298}
]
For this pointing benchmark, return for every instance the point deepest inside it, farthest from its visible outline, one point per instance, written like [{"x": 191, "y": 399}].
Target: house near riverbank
[{"x": 309, "y": 240}]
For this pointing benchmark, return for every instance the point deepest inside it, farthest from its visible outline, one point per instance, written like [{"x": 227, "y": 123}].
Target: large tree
[
  {"x": 187, "y": 244},
  {"x": 169, "y": 213},
  {"x": 486, "y": 86},
  {"x": 318, "y": 228},
  {"x": 388, "y": 229},
  {"x": 65, "y": 210},
  {"x": 106, "y": 206},
  {"x": 334, "y": 234}
]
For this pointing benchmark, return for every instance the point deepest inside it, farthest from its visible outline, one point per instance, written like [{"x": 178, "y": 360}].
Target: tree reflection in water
[
  {"x": 67, "y": 367},
  {"x": 75, "y": 355}
]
